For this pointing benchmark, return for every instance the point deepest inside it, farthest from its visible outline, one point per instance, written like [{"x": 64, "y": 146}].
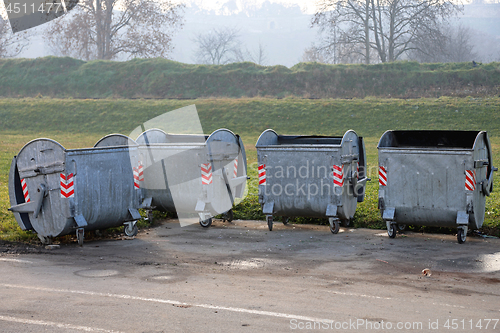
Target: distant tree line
[
  {"x": 371, "y": 31},
  {"x": 221, "y": 46}
]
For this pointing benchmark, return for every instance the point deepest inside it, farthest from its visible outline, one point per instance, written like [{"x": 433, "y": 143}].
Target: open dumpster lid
[
  {"x": 428, "y": 139},
  {"x": 271, "y": 138}
]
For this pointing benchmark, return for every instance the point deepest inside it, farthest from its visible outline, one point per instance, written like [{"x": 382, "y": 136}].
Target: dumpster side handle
[
  {"x": 487, "y": 184},
  {"x": 34, "y": 206}
]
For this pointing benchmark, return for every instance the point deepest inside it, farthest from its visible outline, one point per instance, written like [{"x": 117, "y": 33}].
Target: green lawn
[{"x": 80, "y": 123}]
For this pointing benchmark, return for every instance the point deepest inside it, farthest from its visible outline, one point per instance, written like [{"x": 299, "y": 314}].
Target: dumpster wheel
[
  {"x": 130, "y": 230},
  {"x": 206, "y": 223},
  {"x": 285, "y": 220},
  {"x": 334, "y": 225},
  {"x": 391, "y": 230},
  {"x": 269, "y": 219},
  {"x": 80, "y": 236},
  {"x": 461, "y": 235},
  {"x": 229, "y": 216}
]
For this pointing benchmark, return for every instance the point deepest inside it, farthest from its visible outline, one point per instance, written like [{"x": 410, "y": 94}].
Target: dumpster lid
[
  {"x": 428, "y": 139},
  {"x": 115, "y": 140},
  {"x": 271, "y": 138},
  {"x": 158, "y": 136}
]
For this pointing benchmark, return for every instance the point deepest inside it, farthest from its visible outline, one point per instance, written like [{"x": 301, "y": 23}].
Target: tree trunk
[
  {"x": 98, "y": 28},
  {"x": 367, "y": 32}
]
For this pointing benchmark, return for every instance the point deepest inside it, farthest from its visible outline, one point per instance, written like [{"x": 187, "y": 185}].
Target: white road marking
[
  {"x": 458, "y": 306},
  {"x": 52, "y": 324},
  {"x": 16, "y": 260},
  {"x": 358, "y": 295},
  {"x": 166, "y": 301},
  {"x": 450, "y": 305}
]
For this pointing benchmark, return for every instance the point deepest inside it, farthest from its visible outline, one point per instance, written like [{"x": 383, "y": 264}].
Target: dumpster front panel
[
  {"x": 193, "y": 175},
  {"x": 300, "y": 181},
  {"x": 312, "y": 176},
  {"x": 172, "y": 175},
  {"x": 103, "y": 185},
  {"x": 426, "y": 187}
]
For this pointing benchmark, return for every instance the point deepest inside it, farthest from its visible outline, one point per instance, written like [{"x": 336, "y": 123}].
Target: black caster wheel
[
  {"x": 130, "y": 230},
  {"x": 391, "y": 231},
  {"x": 229, "y": 215},
  {"x": 334, "y": 227},
  {"x": 80, "y": 236},
  {"x": 270, "y": 223},
  {"x": 206, "y": 223},
  {"x": 461, "y": 236}
]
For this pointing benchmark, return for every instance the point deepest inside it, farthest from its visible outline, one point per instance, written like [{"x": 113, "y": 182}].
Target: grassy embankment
[
  {"x": 80, "y": 123},
  {"x": 161, "y": 78}
]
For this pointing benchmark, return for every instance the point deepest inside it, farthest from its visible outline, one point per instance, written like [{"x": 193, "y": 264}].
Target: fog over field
[{"x": 282, "y": 30}]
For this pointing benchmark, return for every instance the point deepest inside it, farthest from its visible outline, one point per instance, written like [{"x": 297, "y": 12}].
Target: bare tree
[
  {"x": 104, "y": 29},
  {"x": 335, "y": 54},
  {"x": 219, "y": 46},
  {"x": 454, "y": 44},
  {"x": 11, "y": 44},
  {"x": 259, "y": 56},
  {"x": 397, "y": 23},
  {"x": 390, "y": 27},
  {"x": 345, "y": 22},
  {"x": 460, "y": 44},
  {"x": 314, "y": 54}
]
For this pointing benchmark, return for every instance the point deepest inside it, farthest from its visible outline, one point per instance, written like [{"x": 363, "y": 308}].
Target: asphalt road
[{"x": 240, "y": 277}]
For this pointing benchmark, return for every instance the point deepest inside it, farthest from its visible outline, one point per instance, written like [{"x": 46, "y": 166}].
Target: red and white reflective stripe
[
  {"x": 338, "y": 175},
  {"x": 140, "y": 169},
  {"x": 262, "y": 174},
  {"x": 138, "y": 175},
  {"x": 206, "y": 173},
  {"x": 470, "y": 180},
  {"x": 382, "y": 176},
  {"x": 25, "y": 190},
  {"x": 236, "y": 167},
  {"x": 67, "y": 186},
  {"x": 136, "y": 178}
]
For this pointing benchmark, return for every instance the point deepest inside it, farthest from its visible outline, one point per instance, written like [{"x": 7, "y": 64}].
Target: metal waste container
[
  {"x": 434, "y": 178},
  {"x": 55, "y": 191},
  {"x": 312, "y": 176},
  {"x": 192, "y": 175}
]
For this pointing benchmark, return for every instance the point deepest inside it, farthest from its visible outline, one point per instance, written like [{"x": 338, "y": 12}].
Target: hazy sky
[{"x": 305, "y": 5}]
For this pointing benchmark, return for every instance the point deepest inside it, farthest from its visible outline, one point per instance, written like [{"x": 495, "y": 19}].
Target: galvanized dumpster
[
  {"x": 312, "y": 176},
  {"x": 55, "y": 191},
  {"x": 192, "y": 175},
  {"x": 434, "y": 178}
]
